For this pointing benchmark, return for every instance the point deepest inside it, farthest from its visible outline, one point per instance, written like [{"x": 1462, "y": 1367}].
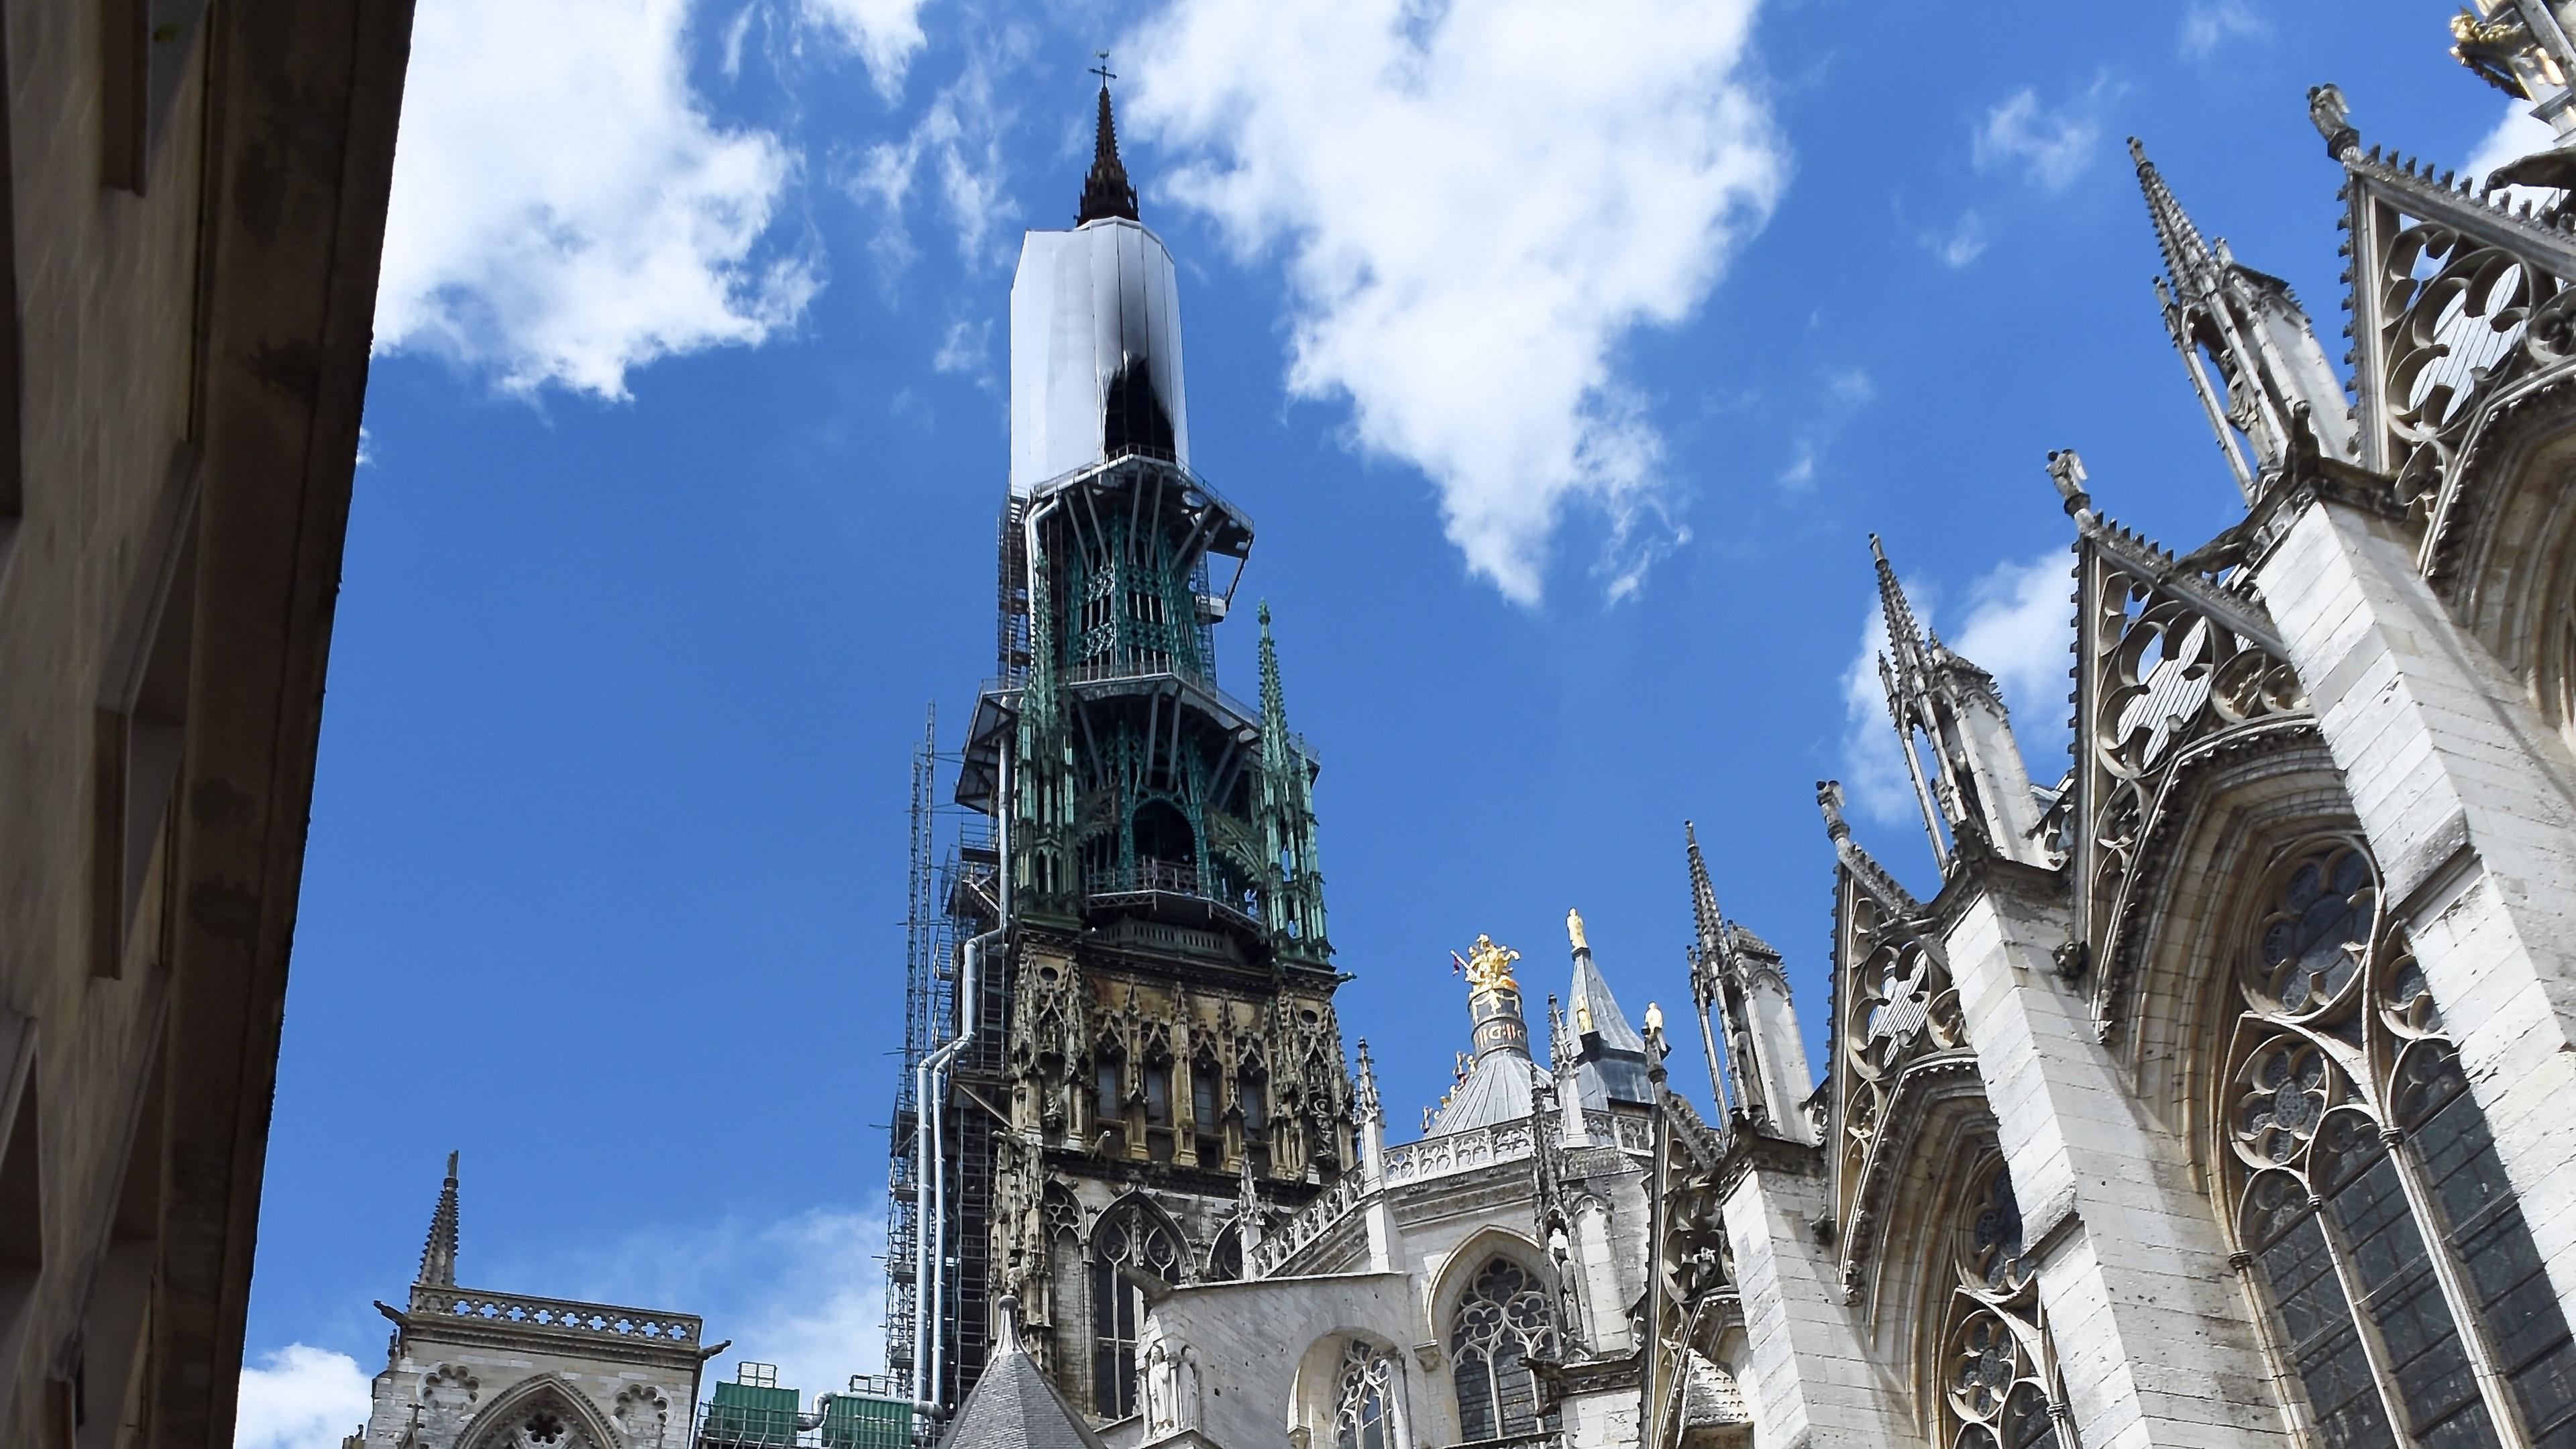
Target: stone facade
[
  {"x": 2218, "y": 1096},
  {"x": 468, "y": 1369},
  {"x": 195, "y": 201}
]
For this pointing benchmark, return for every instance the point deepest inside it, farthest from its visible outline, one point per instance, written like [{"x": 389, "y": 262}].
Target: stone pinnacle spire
[
  {"x": 2188, "y": 259},
  {"x": 438, "y": 1255},
  {"x": 1704, "y": 912},
  {"x": 1106, "y": 192}
]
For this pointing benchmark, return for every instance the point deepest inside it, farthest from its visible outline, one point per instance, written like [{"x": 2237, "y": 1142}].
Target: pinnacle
[
  {"x": 1106, "y": 191},
  {"x": 2187, "y": 256}
]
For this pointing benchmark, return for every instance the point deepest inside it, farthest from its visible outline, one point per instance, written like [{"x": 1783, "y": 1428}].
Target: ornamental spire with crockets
[
  {"x": 2274, "y": 396},
  {"x": 438, "y": 1255},
  {"x": 1105, "y": 192},
  {"x": 1293, "y": 887}
]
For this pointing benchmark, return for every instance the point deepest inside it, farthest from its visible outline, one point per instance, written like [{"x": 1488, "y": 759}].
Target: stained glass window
[
  {"x": 1362, "y": 1406},
  {"x": 2348, "y": 1119},
  {"x": 1127, "y": 1239},
  {"x": 1503, "y": 1320}
]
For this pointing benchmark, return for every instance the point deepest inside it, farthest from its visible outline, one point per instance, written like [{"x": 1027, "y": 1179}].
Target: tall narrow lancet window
[
  {"x": 1363, "y": 1402},
  {"x": 1997, "y": 1374},
  {"x": 1504, "y": 1320},
  {"x": 1127, "y": 1238},
  {"x": 2399, "y": 1284}
]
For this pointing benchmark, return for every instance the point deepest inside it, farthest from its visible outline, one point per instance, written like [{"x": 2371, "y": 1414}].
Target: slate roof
[
  {"x": 1612, "y": 1058},
  {"x": 1497, "y": 1089},
  {"x": 1014, "y": 1405}
]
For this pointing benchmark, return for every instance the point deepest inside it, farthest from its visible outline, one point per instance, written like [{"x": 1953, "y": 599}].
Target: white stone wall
[
  {"x": 2153, "y": 1332},
  {"x": 2465, "y": 794}
]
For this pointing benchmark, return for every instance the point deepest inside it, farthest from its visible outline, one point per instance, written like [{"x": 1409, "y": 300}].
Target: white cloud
[
  {"x": 884, "y": 34},
  {"x": 2050, "y": 147},
  {"x": 1963, "y": 243},
  {"x": 2517, "y": 134},
  {"x": 2208, "y": 24},
  {"x": 958, "y": 140},
  {"x": 300, "y": 1397},
  {"x": 2015, "y": 627},
  {"x": 805, "y": 1292},
  {"x": 1475, "y": 203},
  {"x": 966, "y": 349},
  {"x": 563, "y": 209}
]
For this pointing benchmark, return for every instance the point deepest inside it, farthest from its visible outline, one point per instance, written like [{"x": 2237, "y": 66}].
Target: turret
[
  {"x": 2274, "y": 394},
  {"x": 1609, "y": 1057},
  {"x": 1982, "y": 792}
]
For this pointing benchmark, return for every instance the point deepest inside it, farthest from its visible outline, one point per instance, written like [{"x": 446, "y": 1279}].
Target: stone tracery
[{"x": 2376, "y": 1227}]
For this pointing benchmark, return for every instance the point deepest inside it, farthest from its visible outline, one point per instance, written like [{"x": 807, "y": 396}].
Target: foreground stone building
[{"x": 195, "y": 199}]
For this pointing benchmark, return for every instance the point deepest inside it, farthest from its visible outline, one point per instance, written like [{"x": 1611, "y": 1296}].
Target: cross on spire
[{"x": 1106, "y": 191}]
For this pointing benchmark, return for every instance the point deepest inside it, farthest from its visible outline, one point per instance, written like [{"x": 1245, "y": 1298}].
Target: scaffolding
[
  {"x": 921, "y": 1018},
  {"x": 950, "y": 893}
]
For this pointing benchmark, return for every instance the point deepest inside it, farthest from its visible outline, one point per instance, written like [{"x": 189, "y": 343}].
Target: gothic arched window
[
  {"x": 1504, "y": 1319},
  {"x": 2398, "y": 1280},
  {"x": 1997, "y": 1378},
  {"x": 1128, "y": 1238},
  {"x": 1363, "y": 1400}
]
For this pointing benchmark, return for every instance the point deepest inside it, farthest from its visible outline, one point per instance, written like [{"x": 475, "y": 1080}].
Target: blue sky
[{"x": 1564, "y": 365}]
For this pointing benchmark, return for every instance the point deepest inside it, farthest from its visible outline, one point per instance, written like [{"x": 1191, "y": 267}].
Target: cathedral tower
[{"x": 1146, "y": 1019}]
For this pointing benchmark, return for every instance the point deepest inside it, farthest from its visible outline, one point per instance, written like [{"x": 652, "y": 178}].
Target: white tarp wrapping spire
[{"x": 1095, "y": 320}]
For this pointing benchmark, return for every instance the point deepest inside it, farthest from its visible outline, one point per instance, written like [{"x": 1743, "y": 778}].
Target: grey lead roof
[
  {"x": 1497, "y": 1090},
  {"x": 1014, "y": 1405}
]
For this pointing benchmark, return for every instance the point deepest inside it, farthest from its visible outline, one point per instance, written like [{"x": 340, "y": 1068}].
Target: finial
[
  {"x": 2187, "y": 257},
  {"x": 1902, "y": 631},
  {"x": 2333, "y": 119},
  {"x": 1105, "y": 192},
  {"x": 1560, "y": 1044},
  {"x": 1574, "y": 930},
  {"x": 1705, "y": 917},
  {"x": 2066, "y": 470},
  {"x": 1009, "y": 1315},
  {"x": 1829, "y": 799},
  {"x": 1365, "y": 1107},
  {"x": 438, "y": 1254}
]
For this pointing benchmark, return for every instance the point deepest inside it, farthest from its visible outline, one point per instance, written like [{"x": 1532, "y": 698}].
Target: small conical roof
[{"x": 1014, "y": 1405}]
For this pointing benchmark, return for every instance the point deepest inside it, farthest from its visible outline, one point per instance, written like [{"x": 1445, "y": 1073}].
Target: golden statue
[
  {"x": 1574, "y": 930},
  {"x": 1488, "y": 966}
]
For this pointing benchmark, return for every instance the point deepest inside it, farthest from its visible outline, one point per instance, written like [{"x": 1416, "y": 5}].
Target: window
[
  {"x": 1158, "y": 1110},
  {"x": 1109, "y": 1103},
  {"x": 1503, "y": 1320},
  {"x": 22, "y": 1185},
  {"x": 140, "y": 722},
  {"x": 108, "y": 1402},
  {"x": 148, "y": 45},
  {"x": 1997, "y": 1373},
  {"x": 1362, "y": 1402},
  {"x": 2390, "y": 1257},
  {"x": 1128, "y": 1238},
  {"x": 1206, "y": 1123}
]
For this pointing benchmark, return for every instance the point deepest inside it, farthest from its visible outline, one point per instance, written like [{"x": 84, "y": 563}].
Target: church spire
[
  {"x": 2274, "y": 394},
  {"x": 1981, "y": 797},
  {"x": 1905, "y": 674},
  {"x": 438, "y": 1255},
  {"x": 1106, "y": 192},
  {"x": 1293, "y": 884},
  {"x": 2188, "y": 259}
]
